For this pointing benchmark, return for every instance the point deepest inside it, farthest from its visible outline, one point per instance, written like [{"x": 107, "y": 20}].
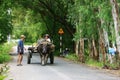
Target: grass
[
  {"x": 89, "y": 62},
  {"x": 4, "y": 57},
  {"x": 72, "y": 57},
  {"x": 3, "y": 70},
  {"x": 4, "y": 52},
  {"x": 93, "y": 63}
]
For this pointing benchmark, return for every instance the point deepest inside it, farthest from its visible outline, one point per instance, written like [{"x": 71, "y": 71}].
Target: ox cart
[{"x": 45, "y": 50}]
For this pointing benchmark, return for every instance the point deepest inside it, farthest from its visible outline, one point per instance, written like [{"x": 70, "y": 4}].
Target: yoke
[{"x": 32, "y": 50}]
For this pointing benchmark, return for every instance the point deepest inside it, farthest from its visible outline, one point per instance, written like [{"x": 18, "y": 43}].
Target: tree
[
  {"x": 115, "y": 15},
  {"x": 54, "y": 15},
  {"x": 5, "y": 20},
  {"x": 27, "y": 22},
  {"x": 93, "y": 22}
]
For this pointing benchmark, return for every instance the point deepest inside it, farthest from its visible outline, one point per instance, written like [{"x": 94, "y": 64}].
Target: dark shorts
[{"x": 20, "y": 53}]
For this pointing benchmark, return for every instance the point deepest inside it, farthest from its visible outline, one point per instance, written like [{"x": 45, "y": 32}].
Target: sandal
[{"x": 19, "y": 64}]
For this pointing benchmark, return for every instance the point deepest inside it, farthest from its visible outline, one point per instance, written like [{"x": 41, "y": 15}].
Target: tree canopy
[{"x": 5, "y": 20}]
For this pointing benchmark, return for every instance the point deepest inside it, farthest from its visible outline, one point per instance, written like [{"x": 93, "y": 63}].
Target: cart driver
[{"x": 45, "y": 38}]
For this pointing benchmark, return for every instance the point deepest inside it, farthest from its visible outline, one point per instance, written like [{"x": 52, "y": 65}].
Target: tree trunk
[
  {"x": 95, "y": 53},
  {"x": 106, "y": 40},
  {"x": 76, "y": 47},
  {"x": 81, "y": 53},
  {"x": 90, "y": 49},
  {"x": 102, "y": 47},
  {"x": 115, "y": 15},
  {"x": 103, "y": 42},
  {"x": 77, "y": 41}
]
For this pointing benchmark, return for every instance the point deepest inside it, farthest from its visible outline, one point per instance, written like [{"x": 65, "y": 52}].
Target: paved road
[{"x": 60, "y": 70}]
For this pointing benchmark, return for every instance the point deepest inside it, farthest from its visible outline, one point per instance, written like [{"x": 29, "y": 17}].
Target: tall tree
[
  {"x": 54, "y": 14},
  {"x": 27, "y": 22},
  {"x": 5, "y": 20},
  {"x": 115, "y": 14}
]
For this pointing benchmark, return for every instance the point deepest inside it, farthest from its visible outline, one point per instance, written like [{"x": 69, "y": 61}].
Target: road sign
[{"x": 61, "y": 31}]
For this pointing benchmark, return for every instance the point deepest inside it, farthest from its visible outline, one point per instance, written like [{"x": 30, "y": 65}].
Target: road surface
[{"x": 60, "y": 70}]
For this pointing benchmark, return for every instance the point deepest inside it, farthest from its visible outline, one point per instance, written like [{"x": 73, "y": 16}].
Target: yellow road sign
[{"x": 61, "y": 31}]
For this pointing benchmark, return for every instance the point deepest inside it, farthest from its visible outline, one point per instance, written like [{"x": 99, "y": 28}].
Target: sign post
[{"x": 61, "y": 32}]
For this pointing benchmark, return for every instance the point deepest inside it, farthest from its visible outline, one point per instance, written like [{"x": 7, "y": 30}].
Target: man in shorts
[{"x": 20, "y": 50}]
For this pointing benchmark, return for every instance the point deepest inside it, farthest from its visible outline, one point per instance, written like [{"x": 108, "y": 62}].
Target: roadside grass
[
  {"x": 56, "y": 53},
  {"x": 93, "y": 63},
  {"x": 4, "y": 52},
  {"x": 72, "y": 57},
  {"x": 4, "y": 58},
  {"x": 88, "y": 62},
  {"x": 3, "y": 71}
]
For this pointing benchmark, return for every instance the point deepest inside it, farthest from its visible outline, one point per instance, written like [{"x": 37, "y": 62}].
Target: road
[{"x": 60, "y": 70}]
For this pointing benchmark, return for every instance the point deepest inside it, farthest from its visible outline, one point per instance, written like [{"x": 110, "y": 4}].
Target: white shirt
[{"x": 48, "y": 40}]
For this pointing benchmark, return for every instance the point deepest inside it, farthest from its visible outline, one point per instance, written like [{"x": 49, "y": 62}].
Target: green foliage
[
  {"x": 82, "y": 15},
  {"x": 44, "y": 16},
  {"x": 4, "y": 52},
  {"x": 78, "y": 18},
  {"x": 3, "y": 71},
  {"x": 90, "y": 17},
  {"x": 5, "y": 18},
  {"x": 2, "y": 77},
  {"x": 113, "y": 66},
  {"x": 94, "y": 63},
  {"x": 28, "y": 23},
  {"x": 86, "y": 16},
  {"x": 72, "y": 57},
  {"x": 4, "y": 58},
  {"x": 56, "y": 53}
]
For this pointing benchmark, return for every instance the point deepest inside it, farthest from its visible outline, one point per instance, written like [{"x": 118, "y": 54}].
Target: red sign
[{"x": 61, "y": 31}]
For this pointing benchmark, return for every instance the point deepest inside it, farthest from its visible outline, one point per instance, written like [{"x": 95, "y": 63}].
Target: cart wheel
[
  {"x": 51, "y": 58},
  {"x": 29, "y": 58}
]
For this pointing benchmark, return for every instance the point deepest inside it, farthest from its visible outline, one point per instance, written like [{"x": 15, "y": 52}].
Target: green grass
[
  {"x": 2, "y": 77},
  {"x": 56, "y": 53},
  {"x": 3, "y": 70},
  {"x": 94, "y": 63},
  {"x": 4, "y": 52},
  {"x": 4, "y": 57},
  {"x": 89, "y": 62},
  {"x": 72, "y": 57}
]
